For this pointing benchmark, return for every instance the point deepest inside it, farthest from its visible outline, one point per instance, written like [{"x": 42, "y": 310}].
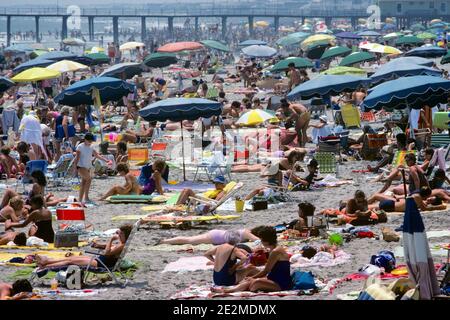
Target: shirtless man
[
  {"x": 358, "y": 96},
  {"x": 299, "y": 114},
  {"x": 294, "y": 76},
  {"x": 18, "y": 290},
  {"x": 131, "y": 184},
  {"x": 136, "y": 137}
]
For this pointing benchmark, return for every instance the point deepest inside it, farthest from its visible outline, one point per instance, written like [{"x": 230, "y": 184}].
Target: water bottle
[{"x": 54, "y": 284}]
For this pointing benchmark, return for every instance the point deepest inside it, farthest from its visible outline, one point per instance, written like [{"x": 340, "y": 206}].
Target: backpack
[
  {"x": 303, "y": 280},
  {"x": 384, "y": 259}
]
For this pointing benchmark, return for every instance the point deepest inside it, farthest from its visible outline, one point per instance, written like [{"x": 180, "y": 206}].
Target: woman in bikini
[
  {"x": 14, "y": 211},
  {"x": 109, "y": 258},
  {"x": 276, "y": 275}
]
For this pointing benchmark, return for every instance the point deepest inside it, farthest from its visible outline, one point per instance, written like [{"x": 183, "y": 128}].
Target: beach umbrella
[
  {"x": 284, "y": 64},
  {"x": 348, "y": 35},
  {"x": 415, "y": 92},
  {"x": 36, "y": 53},
  {"x": 439, "y": 24},
  {"x": 252, "y": 42},
  {"x": 180, "y": 46},
  {"x": 392, "y": 35},
  {"x": 336, "y": 51},
  {"x": 213, "y": 44},
  {"x": 36, "y": 74},
  {"x": 131, "y": 46},
  {"x": 74, "y": 42},
  {"x": 179, "y": 109},
  {"x": 345, "y": 71},
  {"x": 408, "y": 40},
  {"x": 417, "y": 27},
  {"x": 67, "y": 66},
  {"x": 95, "y": 50},
  {"x": 32, "y": 64},
  {"x": 427, "y": 52},
  {"x": 254, "y": 117},
  {"x": 18, "y": 48},
  {"x": 317, "y": 38},
  {"x": 126, "y": 70},
  {"x": 446, "y": 59},
  {"x": 160, "y": 60},
  {"x": 261, "y": 24},
  {"x": 83, "y": 60},
  {"x": 291, "y": 39},
  {"x": 89, "y": 91},
  {"x": 419, "y": 260},
  {"x": 388, "y": 26},
  {"x": 98, "y": 58},
  {"x": 5, "y": 84},
  {"x": 413, "y": 60},
  {"x": 369, "y": 33},
  {"x": 379, "y": 48},
  {"x": 316, "y": 50},
  {"x": 426, "y": 36},
  {"x": 259, "y": 51},
  {"x": 405, "y": 69},
  {"x": 57, "y": 56},
  {"x": 327, "y": 85},
  {"x": 357, "y": 57}
]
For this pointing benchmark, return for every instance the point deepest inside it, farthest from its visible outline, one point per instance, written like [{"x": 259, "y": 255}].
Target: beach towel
[
  {"x": 175, "y": 219},
  {"x": 330, "y": 182},
  {"x": 50, "y": 246},
  {"x": 321, "y": 259},
  {"x": 6, "y": 256},
  {"x": 189, "y": 248},
  {"x": 129, "y": 217},
  {"x": 399, "y": 157},
  {"x": 189, "y": 264},
  {"x": 142, "y": 198}
]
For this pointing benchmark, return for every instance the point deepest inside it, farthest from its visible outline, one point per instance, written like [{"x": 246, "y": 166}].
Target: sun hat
[{"x": 324, "y": 119}]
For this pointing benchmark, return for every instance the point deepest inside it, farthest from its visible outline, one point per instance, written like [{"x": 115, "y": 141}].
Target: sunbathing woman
[
  {"x": 40, "y": 217},
  {"x": 216, "y": 237},
  {"x": 131, "y": 185},
  {"x": 8, "y": 165},
  {"x": 14, "y": 211},
  {"x": 227, "y": 271},
  {"x": 276, "y": 275},
  {"x": 109, "y": 258}
]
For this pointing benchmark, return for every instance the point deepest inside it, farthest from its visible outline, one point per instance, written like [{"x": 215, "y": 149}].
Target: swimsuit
[
  {"x": 223, "y": 277},
  {"x": 219, "y": 237},
  {"x": 281, "y": 275},
  {"x": 45, "y": 231},
  {"x": 108, "y": 261},
  {"x": 387, "y": 205}
]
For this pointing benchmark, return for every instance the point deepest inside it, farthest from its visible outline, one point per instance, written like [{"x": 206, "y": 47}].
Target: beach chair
[
  {"x": 214, "y": 169},
  {"x": 327, "y": 162},
  {"x": 423, "y": 137},
  {"x": 32, "y": 166},
  {"x": 159, "y": 150},
  {"x": 331, "y": 144},
  {"x": 350, "y": 116},
  {"x": 399, "y": 157},
  {"x": 441, "y": 119},
  {"x": 57, "y": 173},
  {"x": 138, "y": 156},
  {"x": 440, "y": 140}
]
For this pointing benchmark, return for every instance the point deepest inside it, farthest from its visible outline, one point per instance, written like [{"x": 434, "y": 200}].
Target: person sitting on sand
[
  {"x": 14, "y": 211},
  {"x": 304, "y": 184},
  {"x": 8, "y": 165},
  {"x": 276, "y": 275},
  {"x": 227, "y": 271},
  {"x": 109, "y": 258},
  {"x": 388, "y": 152},
  {"x": 20, "y": 289},
  {"x": 393, "y": 204},
  {"x": 141, "y": 136},
  {"x": 216, "y": 237},
  {"x": 40, "y": 218},
  {"x": 305, "y": 210},
  {"x": 216, "y": 194},
  {"x": 131, "y": 185}
]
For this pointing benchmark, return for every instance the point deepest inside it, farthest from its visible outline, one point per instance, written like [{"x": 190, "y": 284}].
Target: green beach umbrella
[
  {"x": 289, "y": 40},
  {"x": 408, "y": 40},
  {"x": 213, "y": 44},
  {"x": 316, "y": 50},
  {"x": 37, "y": 53},
  {"x": 345, "y": 71},
  {"x": 160, "y": 60},
  {"x": 98, "y": 58},
  {"x": 393, "y": 35},
  {"x": 299, "y": 63},
  {"x": 337, "y": 51},
  {"x": 356, "y": 57},
  {"x": 418, "y": 27},
  {"x": 426, "y": 36},
  {"x": 446, "y": 59}
]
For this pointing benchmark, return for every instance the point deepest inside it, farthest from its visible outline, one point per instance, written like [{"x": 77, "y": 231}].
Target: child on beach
[
  {"x": 131, "y": 184},
  {"x": 84, "y": 156}
]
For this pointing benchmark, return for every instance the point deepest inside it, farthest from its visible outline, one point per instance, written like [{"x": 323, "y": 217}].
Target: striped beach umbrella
[
  {"x": 254, "y": 117},
  {"x": 417, "y": 252}
]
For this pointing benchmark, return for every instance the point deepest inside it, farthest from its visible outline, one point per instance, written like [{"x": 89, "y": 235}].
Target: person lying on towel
[{"x": 20, "y": 289}]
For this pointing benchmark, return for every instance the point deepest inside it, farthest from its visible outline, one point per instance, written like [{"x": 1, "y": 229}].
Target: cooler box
[
  {"x": 66, "y": 239},
  {"x": 68, "y": 212}
]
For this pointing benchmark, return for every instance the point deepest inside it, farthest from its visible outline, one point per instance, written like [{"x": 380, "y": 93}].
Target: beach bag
[
  {"x": 303, "y": 280},
  {"x": 384, "y": 259}
]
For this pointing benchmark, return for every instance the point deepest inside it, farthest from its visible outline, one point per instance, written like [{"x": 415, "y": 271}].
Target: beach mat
[
  {"x": 50, "y": 246},
  {"x": 142, "y": 198},
  {"x": 188, "y": 264}
]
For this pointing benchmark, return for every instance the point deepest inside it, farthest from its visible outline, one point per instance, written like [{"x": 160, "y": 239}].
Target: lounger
[
  {"x": 440, "y": 140},
  {"x": 327, "y": 162}
]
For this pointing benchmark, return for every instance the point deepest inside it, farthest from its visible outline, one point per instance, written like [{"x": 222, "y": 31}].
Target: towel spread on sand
[
  {"x": 321, "y": 259},
  {"x": 50, "y": 246},
  {"x": 188, "y": 264},
  {"x": 6, "y": 256},
  {"x": 435, "y": 249},
  {"x": 176, "y": 248}
]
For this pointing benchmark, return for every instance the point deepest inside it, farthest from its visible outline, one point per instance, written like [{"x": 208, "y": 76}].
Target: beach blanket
[
  {"x": 142, "y": 198},
  {"x": 331, "y": 181},
  {"x": 321, "y": 259},
  {"x": 203, "y": 292},
  {"x": 6, "y": 256},
  {"x": 188, "y": 264},
  {"x": 50, "y": 246}
]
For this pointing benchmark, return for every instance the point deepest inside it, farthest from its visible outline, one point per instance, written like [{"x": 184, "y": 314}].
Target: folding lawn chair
[
  {"x": 350, "y": 116},
  {"x": 32, "y": 166},
  {"x": 327, "y": 162},
  {"x": 57, "y": 173},
  {"x": 138, "y": 156},
  {"x": 330, "y": 144},
  {"x": 231, "y": 189}
]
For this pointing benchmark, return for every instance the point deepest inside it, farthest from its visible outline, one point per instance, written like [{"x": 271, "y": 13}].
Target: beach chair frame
[
  {"x": 213, "y": 203},
  {"x": 59, "y": 172}
]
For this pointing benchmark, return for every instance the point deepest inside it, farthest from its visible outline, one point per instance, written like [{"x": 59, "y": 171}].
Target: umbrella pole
[
  {"x": 182, "y": 151},
  {"x": 404, "y": 182}
]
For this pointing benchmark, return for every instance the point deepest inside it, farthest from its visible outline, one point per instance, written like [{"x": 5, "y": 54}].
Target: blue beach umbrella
[
  {"x": 252, "y": 42},
  {"x": 5, "y": 84},
  {"x": 17, "y": 48},
  {"x": 123, "y": 71},
  {"x": 179, "y": 109},
  {"x": 369, "y": 33},
  {"x": 390, "y": 72},
  {"x": 348, "y": 35},
  {"x": 413, "y": 60},
  {"x": 427, "y": 52},
  {"x": 327, "y": 85},
  {"x": 83, "y": 92},
  {"x": 31, "y": 64},
  {"x": 417, "y": 252},
  {"x": 57, "y": 56},
  {"x": 414, "y": 92},
  {"x": 259, "y": 51}
]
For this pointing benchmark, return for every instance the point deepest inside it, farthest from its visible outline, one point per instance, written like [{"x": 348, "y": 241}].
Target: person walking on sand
[{"x": 85, "y": 154}]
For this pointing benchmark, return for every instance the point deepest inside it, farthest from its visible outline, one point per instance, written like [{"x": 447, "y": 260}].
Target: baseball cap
[{"x": 219, "y": 179}]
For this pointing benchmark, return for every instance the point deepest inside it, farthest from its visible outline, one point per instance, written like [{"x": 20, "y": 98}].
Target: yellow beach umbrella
[
  {"x": 317, "y": 38},
  {"x": 131, "y": 46},
  {"x": 36, "y": 74},
  {"x": 345, "y": 71},
  {"x": 262, "y": 24},
  {"x": 67, "y": 66},
  {"x": 379, "y": 48},
  {"x": 254, "y": 117},
  {"x": 95, "y": 50}
]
